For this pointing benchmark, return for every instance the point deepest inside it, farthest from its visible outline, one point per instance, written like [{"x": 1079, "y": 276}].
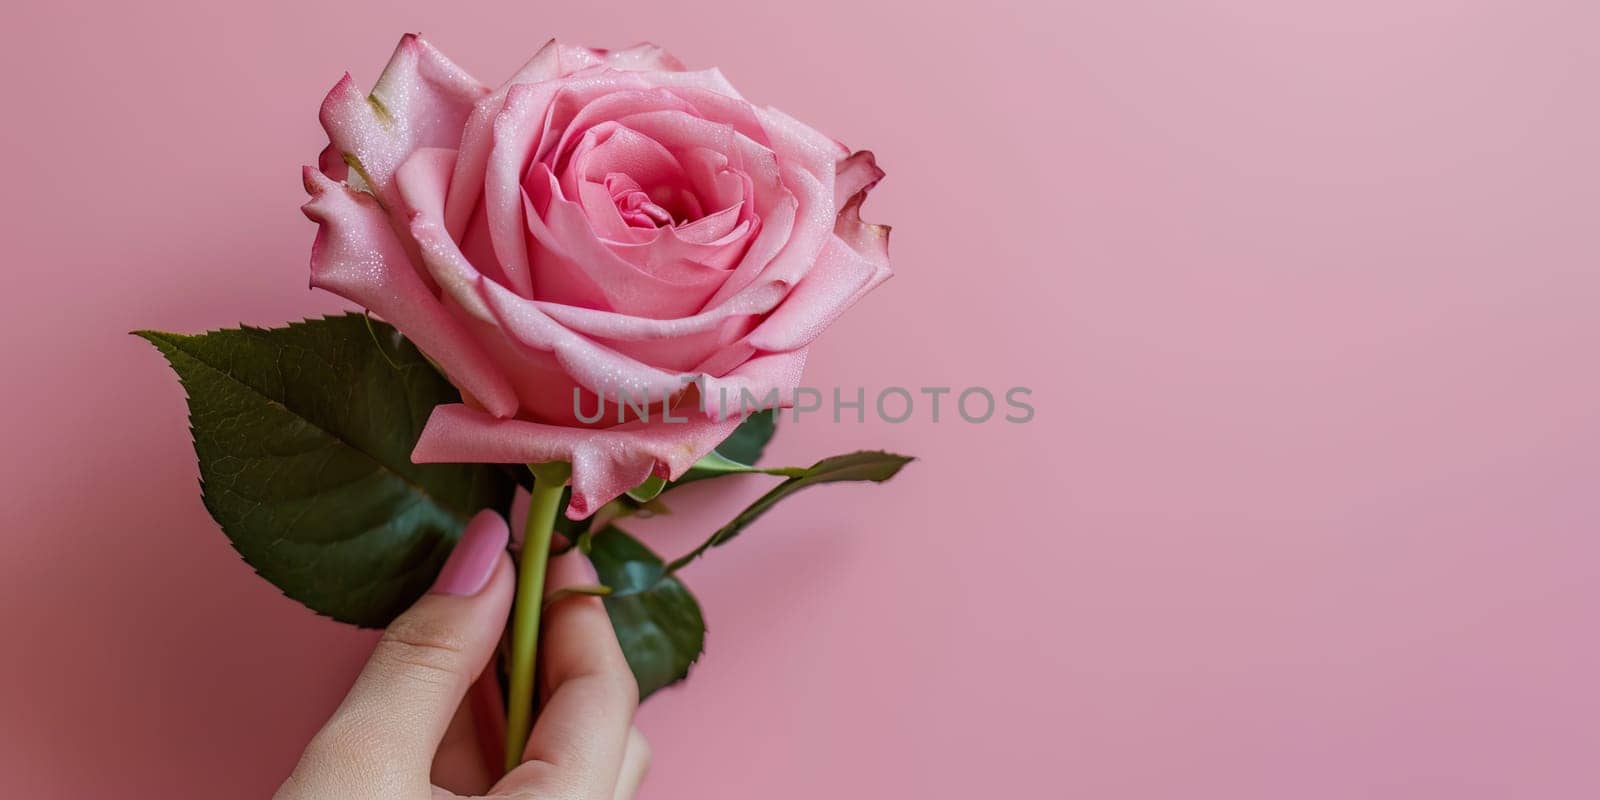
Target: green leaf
[
  {"x": 647, "y": 491},
  {"x": 304, "y": 438},
  {"x": 714, "y": 465},
  {"x": 657, "y": 620},
  {"x": 739, "y": 452},
  {"x": 748, "y": 441},
  {"x": 872, "y": 466}
]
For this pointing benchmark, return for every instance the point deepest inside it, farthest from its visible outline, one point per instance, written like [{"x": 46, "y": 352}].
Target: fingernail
[{"x": 475, "y": 556}]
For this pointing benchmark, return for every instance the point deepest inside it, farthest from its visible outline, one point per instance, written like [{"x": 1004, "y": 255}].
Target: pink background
[{"x": 1306, "y": 293}]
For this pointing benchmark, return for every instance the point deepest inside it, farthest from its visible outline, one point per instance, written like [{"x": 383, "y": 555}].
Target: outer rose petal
[
  {"x": 357, "y": 256},
  {"x": 421, "y": 100},
  {"x": 640, "y": 57},
  {"x": 556, "y": 60},
  {"x": 790, "y": 248},
  {"x": 860, "y": 173},
  {"x": 762, "y": 382},
  {"x": 422, "y": 182},
  {"x": 854, "y": 261},
  {"x": 869, "y": 241},
  {"x": 839, "y": 278},
  {"x": 855, "y": 175},
  {"x": 605, "y": 461},
  {"x": 711, "y": 80},
  {"x": 759, "y": 299},
  {"x": 512, "y": 136},
  {"x": 801, "y": 144},
  {"x": 593, "y": 366}
]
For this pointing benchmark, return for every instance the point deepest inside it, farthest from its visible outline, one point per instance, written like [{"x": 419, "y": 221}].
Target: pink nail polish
[{"x": 475, "y": 556}]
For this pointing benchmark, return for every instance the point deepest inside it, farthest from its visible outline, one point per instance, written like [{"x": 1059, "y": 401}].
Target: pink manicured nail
[{"x": 475, "y": 556}]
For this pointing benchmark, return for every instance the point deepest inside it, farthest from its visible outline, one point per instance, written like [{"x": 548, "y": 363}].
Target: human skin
[{"x": 405, "y": 731}]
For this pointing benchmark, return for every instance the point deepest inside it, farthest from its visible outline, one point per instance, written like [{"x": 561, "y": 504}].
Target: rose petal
[
  {"x": 777, "y": 217},
  {"x": 592, "y": 365},
  {"x": 726, "y": 107},
  {"x": 600, "y": 206},
  {"x": 720, "y": 184},
  {"x": 544, "y": 390},
  {"x": 554, "y": 60},
  {"x": 684, "y": 354},
  {"x": 668, "y": 251},
  {"x": 605, "y": 461},
  {"x": 855, "y": 174},
  {"x": 640, "y": 57},
  {"x": 421, "y": 181},
  {"x": 357, "y": 256},
  {"x": 841, "y": 276},
  {"x": 869, "y": 241},
  {"x": 609, "y": 108},
  {"x": 421, "y": 100},
  {"x": 516, "y": 130},
  {"x": 678, "y": 130},
  {"x": 767, "y": 381},
  {"x": 807, "y": 233},
  {"x": 576, "y": 264},
  {"x": 611, "y": 325},
  {"x": 709, "y": 80},
  {"x": 478, "y": 248},
  {"x": 799, "y": 143},
  {"x": 716, "y": 230},
  {"x": 612, "y": 148}
]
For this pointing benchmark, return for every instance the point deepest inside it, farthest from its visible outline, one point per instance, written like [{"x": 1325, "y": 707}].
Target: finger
[
  {"x": 459, "y": 764},
  {"x": 635, "y": 763},
  {"x": 468, "y": 761},
  {"x": 401, "y": 705},
  {"x": 577, "y": 745}
]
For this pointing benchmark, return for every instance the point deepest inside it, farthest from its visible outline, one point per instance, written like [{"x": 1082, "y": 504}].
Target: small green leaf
[
  {"x": 304, "y": 438},
  {"x": 872, "y": 466},
  {"x": 647, "y": 491},
  {"x": 714, "y": 465},
  {"x": 738, "y": 453},
  {"x": 748, "y": 441},
  {"x": 657, "y": 620},
  {"x": 717, "y": 462}
]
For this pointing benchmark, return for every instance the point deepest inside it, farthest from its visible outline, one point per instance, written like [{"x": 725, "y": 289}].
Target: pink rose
[{"x": 605, "y": 224}]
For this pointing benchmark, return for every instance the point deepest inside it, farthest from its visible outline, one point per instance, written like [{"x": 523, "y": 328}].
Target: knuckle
[
  {"x": 610, "y": 673},
  {"x": 620, "y": 684},
  {"x": 603, "y": 680},
  {"x": 424, "y": 647},
  {"x": 629, "y": 688}
]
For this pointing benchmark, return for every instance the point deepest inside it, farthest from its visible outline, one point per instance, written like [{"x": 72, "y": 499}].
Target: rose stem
[{"x": 548, "y": 481}]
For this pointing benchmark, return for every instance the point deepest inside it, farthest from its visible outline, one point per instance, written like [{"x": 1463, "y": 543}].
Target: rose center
[{"x": 660, "y": 206}]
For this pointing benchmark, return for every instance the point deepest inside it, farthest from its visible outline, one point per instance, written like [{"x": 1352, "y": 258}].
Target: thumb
[{"x": 398, "y": 710}]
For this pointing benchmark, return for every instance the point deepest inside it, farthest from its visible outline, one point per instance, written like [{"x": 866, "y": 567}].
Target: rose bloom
[{"x": 606, "y": 224}]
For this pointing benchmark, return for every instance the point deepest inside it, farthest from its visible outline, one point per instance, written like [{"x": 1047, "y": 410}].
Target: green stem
[{"x": 548, "y": 481}]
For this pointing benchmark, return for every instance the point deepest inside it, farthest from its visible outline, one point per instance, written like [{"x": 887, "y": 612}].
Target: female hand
[{"x": 403, "y": 731}]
